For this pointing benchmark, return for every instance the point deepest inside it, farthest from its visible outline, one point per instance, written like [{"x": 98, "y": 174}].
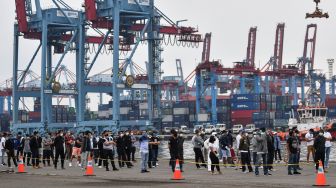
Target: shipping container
[
  {"x": 167, "y": 118},
  {"x": 203, "y": 117},
  {"x": 245, "y": 106},
  {"x": 242, "y": 114},
  {"x": 243, "y": 121},
  {"x": 245, "y": 98},
  {"x": 180, "y": 111}
]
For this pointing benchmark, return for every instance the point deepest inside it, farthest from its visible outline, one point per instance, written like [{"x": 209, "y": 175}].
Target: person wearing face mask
[
  {"x": 9, "y": 147},
  {"x": 319, "y": 146},
  {"x": 108, "y": 147},
  {"x": 173, "y": 149},
  {"x": 309, "y": 137},
  {"x": 180, "y": 140},
  {"x": 270, "y": 148},
  {"x": 292, "y": 150},
  {"x": 121, "y": 151},
  {"x": 244, "y": 148},
  {"x": 34, "y": 147},
  {"x": 47, "y": 142},
  {"x": 144, "y": 151},
  {"x": 277, "y": 147},
  {"x": 197, "y": 142},
  {"x": 133, "y": 149},
  {"x": 261, "y": 150},
  {"x": 86, "y": 149},
  {"x": 59, "y": 148},
  {"x": 128, "y": 147},
  {"x": 155, "y": 142}
]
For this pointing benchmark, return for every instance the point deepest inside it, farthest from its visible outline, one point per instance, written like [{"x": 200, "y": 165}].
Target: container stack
[
  {"x": 224, "y": 112},
  {"x": 331, "y": 104},
  {"x": 242, "y": 108},
  {"x": 4, "y": 122},
  {"x": 283, "y": 110}
]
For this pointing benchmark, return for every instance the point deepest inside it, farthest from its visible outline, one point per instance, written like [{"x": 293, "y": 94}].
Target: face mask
[
  {"x": 321, "y": 134},
  {"x": 127, "y": 133},
  {"x": 132, "y": 134},
  {"x": 246, "y": 134},
  {"x": 61, "y": 134},
  {"x": 121, "y": 135}
]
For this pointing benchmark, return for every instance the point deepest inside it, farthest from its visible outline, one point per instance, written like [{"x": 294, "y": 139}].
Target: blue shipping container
[
  {"x": 245, "y": 97},
  {"x": 245, "y": 106}
]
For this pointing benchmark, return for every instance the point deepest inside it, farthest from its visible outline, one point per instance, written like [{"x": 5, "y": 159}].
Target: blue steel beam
[
  {"x": 115, "y": 65},
  {"x": 43, "y": 72},
  {"x": 2, "y": 104},
  {"x": 15, "y": 74}
]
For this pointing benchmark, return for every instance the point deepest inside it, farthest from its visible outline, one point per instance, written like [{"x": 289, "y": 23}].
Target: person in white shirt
[
  {"x": 207, "y": 145},
  {"x": 310, "y": 144},
  {"x": 2, "y": 149},
  {"x": 238, "y": 138},
  {"x": 328, "y": 138}
]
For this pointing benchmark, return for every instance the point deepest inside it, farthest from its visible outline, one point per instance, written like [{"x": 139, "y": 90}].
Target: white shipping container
[
  {"x": 124, "y": 110},
  {"x": 181, "y": 111},
  {"x": 272, "y": 115},
  {"x": 101, "y": 78},
  {"x": 143, "y": 106},
  {"x": 192, "y": 118},
  {"x": 167, "y": 118},
  {"x": 203, "y": 117},
  {"x": 103, "y": 114}
]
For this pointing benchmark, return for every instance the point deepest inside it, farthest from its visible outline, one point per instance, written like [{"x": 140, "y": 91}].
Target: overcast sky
[{"x": 229, "y": 22}]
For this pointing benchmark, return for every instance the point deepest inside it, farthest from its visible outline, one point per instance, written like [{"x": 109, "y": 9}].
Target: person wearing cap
[
  {"x": 133, "y": 150},
  {"x": 198, "y": 143},
  {"x": 86, "y": 148},
  {"x": 9, "y": 147},
  {"x": 244, "y": 148},
  {"x": 128, "y": 147},
  {"x": 180, "y": 140},
  {"x": 309, "y": 137},
  {"x": 34, "y": 147},
  {"x": 319, "y": 146},
  {"x": 95, "y": 150},
  {"x": 59, "y": 149},
  {"x": 20, "y": 144}
]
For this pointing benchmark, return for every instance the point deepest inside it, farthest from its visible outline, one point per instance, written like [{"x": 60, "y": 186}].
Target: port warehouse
[{"x": 184, "y": 105}]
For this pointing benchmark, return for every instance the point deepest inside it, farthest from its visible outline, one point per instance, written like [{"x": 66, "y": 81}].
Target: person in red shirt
[{"x": 69, "y": 140}]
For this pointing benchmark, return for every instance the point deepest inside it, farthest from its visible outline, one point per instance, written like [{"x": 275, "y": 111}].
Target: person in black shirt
[
  {"x": 173, "y": 149},
  {"x": 59, "y": 148},
  {"x": 9, "y": 147},
  {"x": 319, "y": 146},
  {"x": 19, "y": 151},
  {"x": 155, "y": 142},
  {"x": 128, "y": 147},
  {"x": 292, "y": 150},
  {"x": 34, "y": 147},
  {"x": 180, "y": 140},
  {"x": 121, "y": 151},
  {"x": 270, "y": 148}
]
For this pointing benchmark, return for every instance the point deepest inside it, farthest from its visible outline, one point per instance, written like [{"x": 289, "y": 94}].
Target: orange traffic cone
[
  {"x": 321, "y": 180},
  {"x": 177, "y": 174},
  {"x": 89, "y": 168},
  {"x": 21, "y": 167}
]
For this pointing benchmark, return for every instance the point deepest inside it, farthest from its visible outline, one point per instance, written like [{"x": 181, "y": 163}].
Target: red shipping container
[
  {"x": 34, "y": 114},
  {"x": 242, "y": 113},
  {"x": 330, "y": 102},
  {"x": 243, "y": 121}
]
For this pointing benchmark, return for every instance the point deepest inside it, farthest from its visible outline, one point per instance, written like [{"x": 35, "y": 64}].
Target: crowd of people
[
  {"x": 77, "y": 149},
  {"x": 263, "y": 148},
  {"x": 248, "y": 152}
]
